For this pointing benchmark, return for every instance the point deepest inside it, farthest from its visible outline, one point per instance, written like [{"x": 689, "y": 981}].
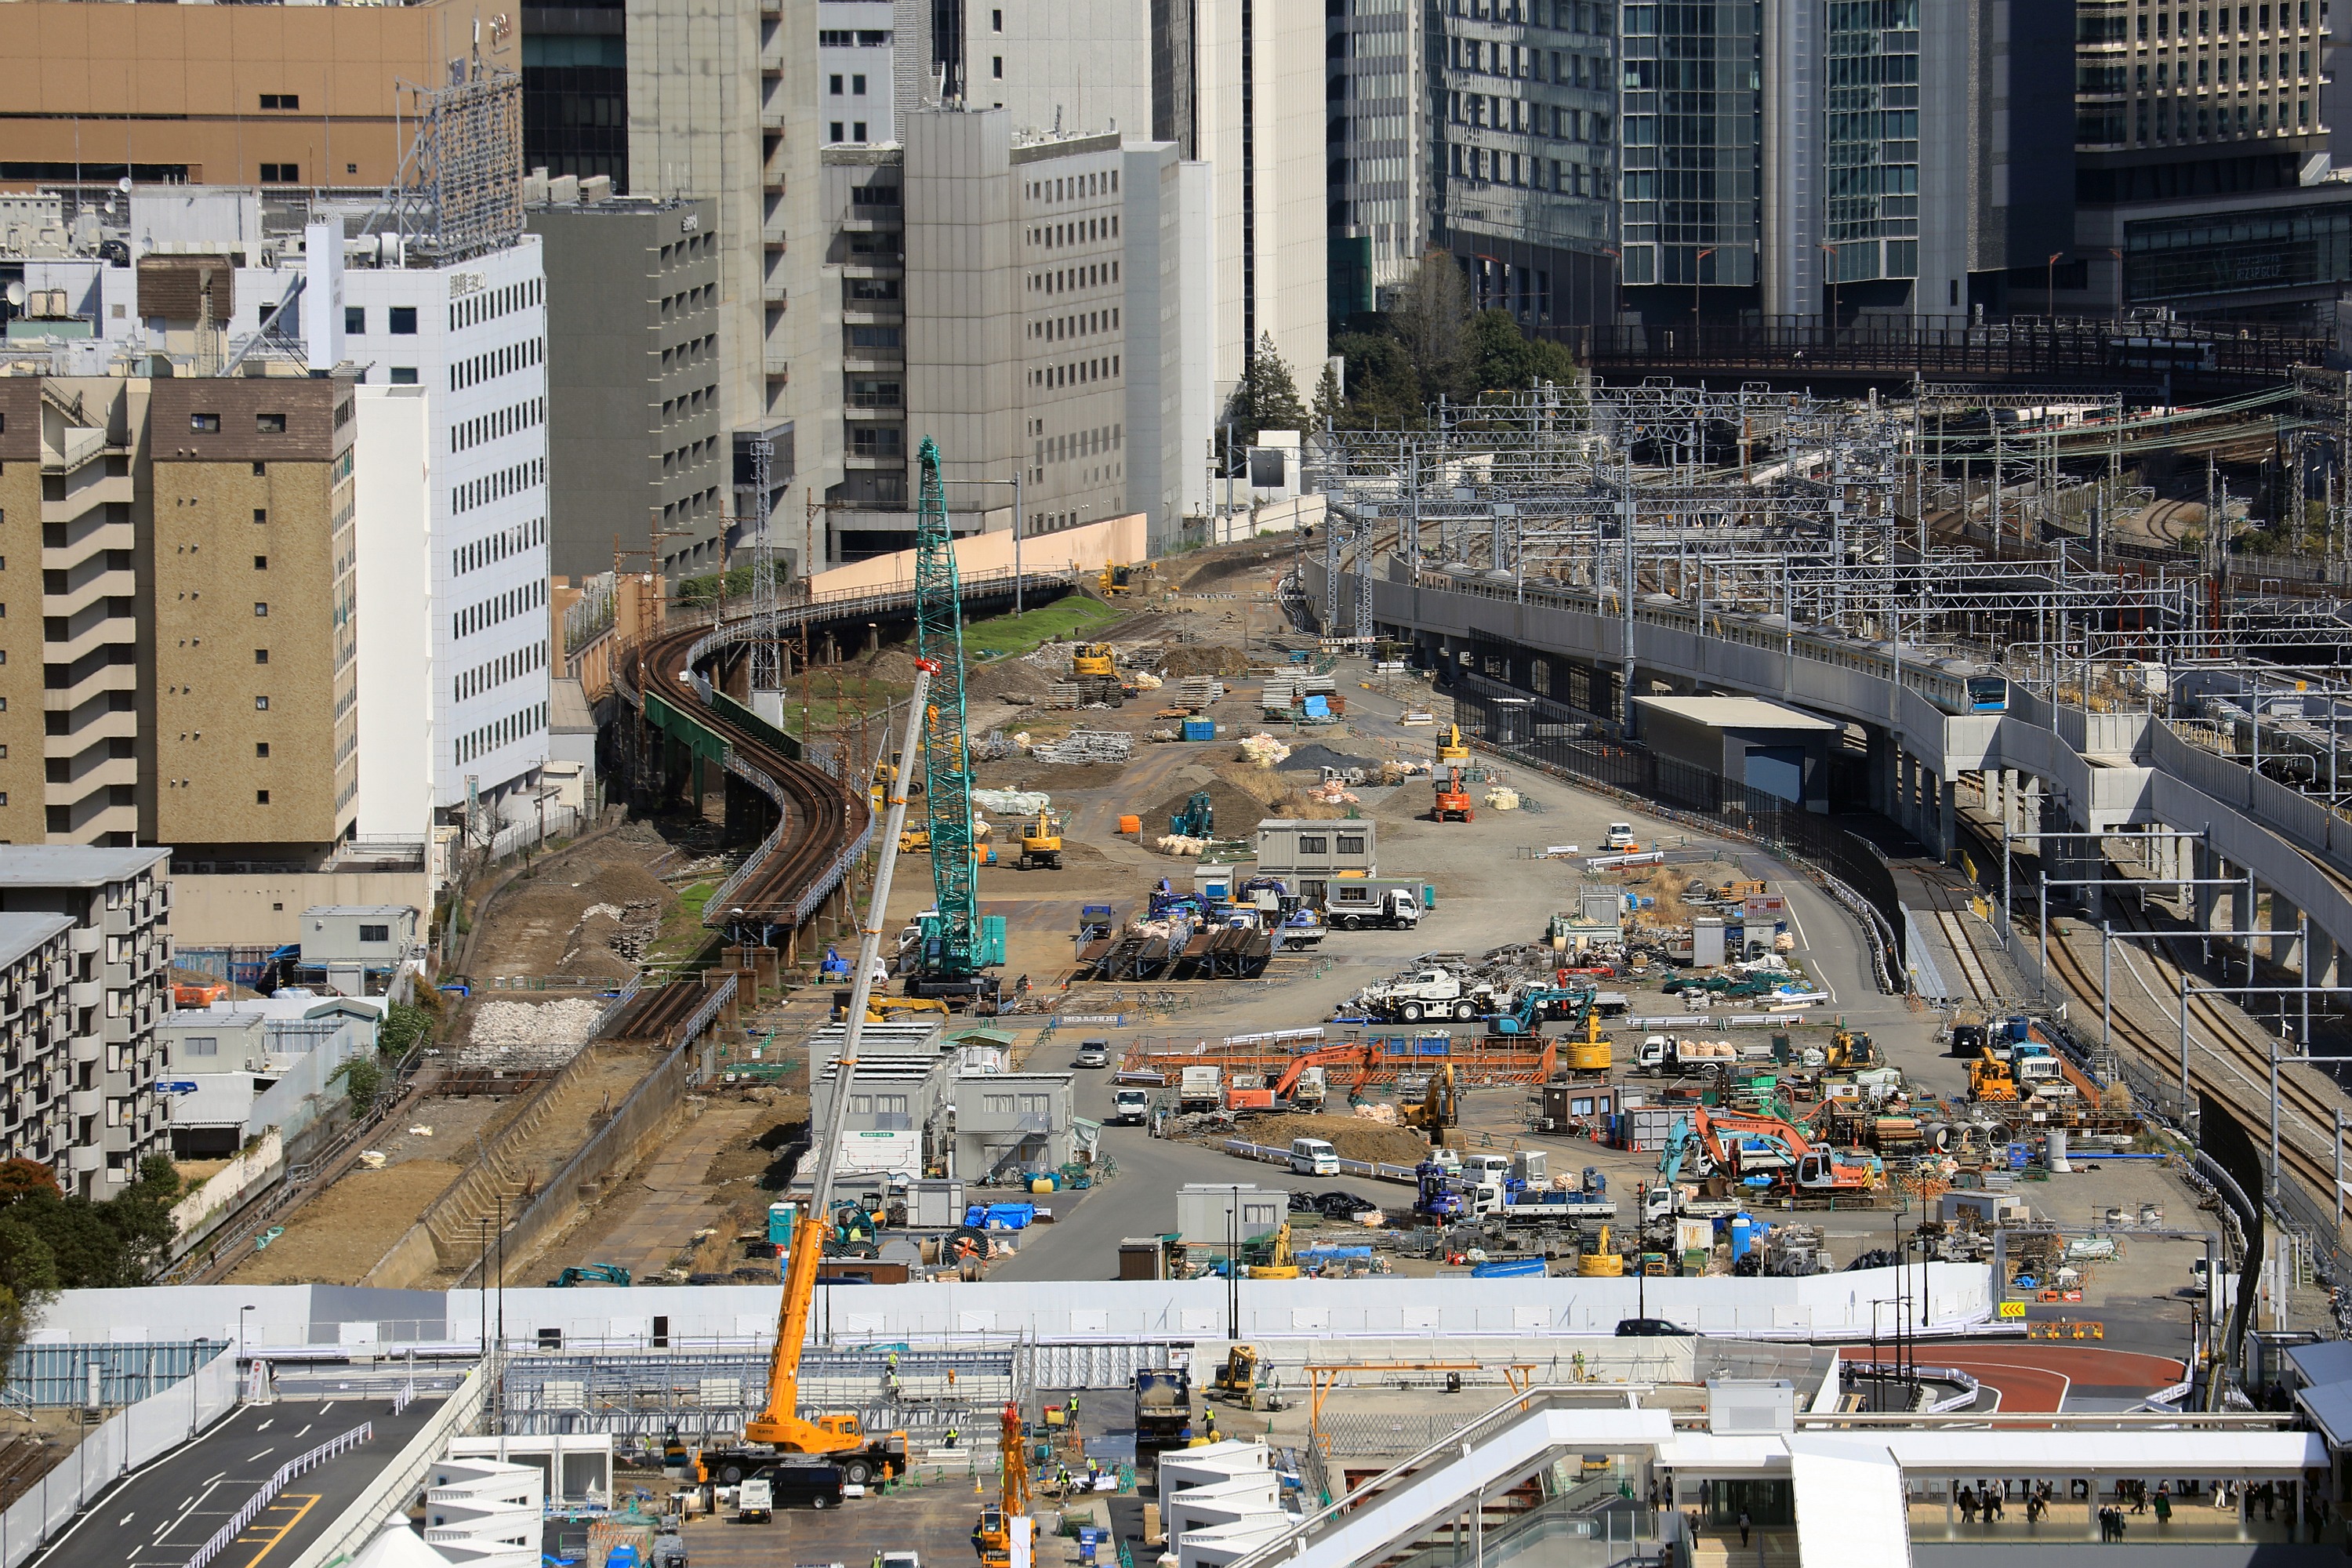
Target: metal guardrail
[
  {"x": 613, "y": 1011},
  {"x": 396, "y": 1483},
  {"x": 223, "y": 1538}
]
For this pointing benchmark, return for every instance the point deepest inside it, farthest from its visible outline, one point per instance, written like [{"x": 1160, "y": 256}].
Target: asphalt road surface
[{"x": 158, "y": 1516}]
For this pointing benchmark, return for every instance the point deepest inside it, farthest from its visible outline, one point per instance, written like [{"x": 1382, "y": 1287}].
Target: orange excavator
[
  {"x": 1748, "y": 1146},
  {"x": 1277, "y": 1093},
  {"x": 780, "y": 1428},
  {"x": 1453, "y": 801}
]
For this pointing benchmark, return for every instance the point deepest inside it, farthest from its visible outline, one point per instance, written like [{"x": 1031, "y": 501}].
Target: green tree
[
  {"x": 1383, "y": 387},
  {"x": 402, "y": 1027},
  {"x": 28, "y": 1281},
  {"x": 361, "y": 1079},
  {"x": 1331, "y": 405},
  {"x": 1500, "y": 358},
  {"x": 1265, "y": 399}
]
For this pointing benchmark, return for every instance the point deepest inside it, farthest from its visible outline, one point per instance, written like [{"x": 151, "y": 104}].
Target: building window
[
  {"x": 355, "y": 318},
  {"x": 996, "y": 21},
  {"x": 281, "y": 173},
  {"x": 261, "y": 704},
  {"x": 996, "y": 67},
  {"x": 281, "y": 101},
  {"x": 261, "y": 656},
  {"x": 269, "y": 424},
  {"x": 857, "y": 86},
  {"x": 261, "y": 748},
  {"x": 1315, "y": 845},
  {"x": 833, "y": 86},
  {"x": 835, "y": 132},
  {"x": 203, "y": 421},
  {"x": 260, "y": 608},
  {"x": 859, "y": 132},
  {"x": 376, "y": 933},
  {"x": 403, "y": 375},
  {"x": 201, "y": 1045},
  {"x": 261, "y": 797},
  {"x": 1352, "y": 844},
  {"x": 404, "y": 321}
]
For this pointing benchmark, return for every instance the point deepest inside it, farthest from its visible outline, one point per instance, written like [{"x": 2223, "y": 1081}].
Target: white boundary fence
[
  {"x": 129, "y": 1439},
  {"x": 228, "y": 1533}
]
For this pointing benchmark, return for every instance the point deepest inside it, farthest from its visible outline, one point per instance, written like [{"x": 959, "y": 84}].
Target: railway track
[
  {"x": 820, "y": 823},
  {"x": 2229, "y": 1055}
]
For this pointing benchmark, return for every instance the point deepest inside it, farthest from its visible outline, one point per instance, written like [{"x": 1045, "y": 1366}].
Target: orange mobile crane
[{"x": 780, "y": 1428}]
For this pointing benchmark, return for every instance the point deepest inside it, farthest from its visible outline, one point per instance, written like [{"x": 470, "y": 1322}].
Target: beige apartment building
[
  {"x": 185, "y": 673},
  {"x": 201, "y": 94}
]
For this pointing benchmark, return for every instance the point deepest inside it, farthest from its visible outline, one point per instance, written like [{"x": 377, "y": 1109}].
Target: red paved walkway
[{"x": 2034, "y": 1375}]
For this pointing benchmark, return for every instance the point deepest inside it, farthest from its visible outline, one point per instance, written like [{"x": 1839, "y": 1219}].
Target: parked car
[
  {"x": 1649, "y": 1329},
  {"x": 1094, "y": 1054}
]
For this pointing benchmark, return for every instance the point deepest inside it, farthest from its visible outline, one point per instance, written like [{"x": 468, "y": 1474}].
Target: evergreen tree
[{"x": 1331, "y": 406}]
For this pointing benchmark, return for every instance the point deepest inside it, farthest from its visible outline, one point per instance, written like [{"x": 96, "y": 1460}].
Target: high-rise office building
[
  {"x": 636, "y": 445},
  {"x": 724, "y": 105},
  {"x": 1035, "y": 304},
  {"x": 1377, "y": 136},
  {"x": 1524, "y": 164},
  {"x": 2204, "y": 178},
  {"x": 575, "y": 89},
  {"x": 306, "y": 96},
  {"x": 1789, "y": 159},
  {"x": 1234, "y": 84},
  {"x": 449, "y": 626}
]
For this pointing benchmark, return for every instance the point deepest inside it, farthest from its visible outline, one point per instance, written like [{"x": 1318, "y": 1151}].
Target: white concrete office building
[{"x": 1034, "y": 304}]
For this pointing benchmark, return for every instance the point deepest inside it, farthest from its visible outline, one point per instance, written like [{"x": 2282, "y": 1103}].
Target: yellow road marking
[{"x": 268, "y": 1536}]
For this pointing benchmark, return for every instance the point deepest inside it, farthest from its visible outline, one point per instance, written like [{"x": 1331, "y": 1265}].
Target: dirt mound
[
  {"x": 1006, "y": 680},
  {"x": 1352, "y": 1137},
  {"x": 345, "y": 1230},
  {"x": 1182, "y": 659},
  {"x": 1237, "y": 813}
]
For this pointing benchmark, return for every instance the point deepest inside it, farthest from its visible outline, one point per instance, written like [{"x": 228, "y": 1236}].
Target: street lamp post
[{"x": 241, "y": 1312}]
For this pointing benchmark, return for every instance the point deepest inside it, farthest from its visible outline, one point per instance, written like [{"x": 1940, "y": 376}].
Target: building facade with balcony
[
  {"x": 1008, "y": 1123},
  {"x": 85, "y": 980}
]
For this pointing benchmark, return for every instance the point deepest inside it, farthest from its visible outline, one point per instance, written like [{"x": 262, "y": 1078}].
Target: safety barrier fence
[
  {"x": 124, "y": 1442},
  {"x": 223, "y": 1538}
]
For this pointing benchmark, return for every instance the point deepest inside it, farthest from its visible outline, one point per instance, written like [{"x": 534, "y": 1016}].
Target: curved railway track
[
  {"x": 820, "y": 827},
  {"x": 2229, "y": 1054}
]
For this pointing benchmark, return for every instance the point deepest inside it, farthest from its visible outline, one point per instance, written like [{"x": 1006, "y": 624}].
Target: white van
[
  {"x": 1619, "y": 836},
  {"x": 1313, "y": 1157}
]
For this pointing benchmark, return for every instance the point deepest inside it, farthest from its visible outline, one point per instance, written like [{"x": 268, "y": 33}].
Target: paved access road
[{"x": 156, "y": 1518}]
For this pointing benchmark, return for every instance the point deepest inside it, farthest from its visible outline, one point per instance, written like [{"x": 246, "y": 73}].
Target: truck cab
[
  {"x": 1483, "y": 1176},
  {"x": 1129, "y": 1107}
]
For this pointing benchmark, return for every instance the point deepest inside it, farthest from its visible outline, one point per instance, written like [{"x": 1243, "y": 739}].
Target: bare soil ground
[
  {"x": 345, "y": 1231},
  {"x": 534, "y": 927}
]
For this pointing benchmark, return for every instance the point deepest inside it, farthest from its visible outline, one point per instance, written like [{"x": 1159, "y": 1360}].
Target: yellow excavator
[
  {"x": 1440, "y": 1108},
  {"x": 780, "y": 1428},
  {"x": 1450, "y": 748},
  {"x": 1237, "y": 1379},
  {"x": 1040, "y": 841},
  {"x": 1602, "y": 1260},
  {"x": 1095, "y": 669},
  {"x": 993, "y": 1535},
  {"x": 1119, "y": 581},
  {"x": 1278, "y": 1264}
]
